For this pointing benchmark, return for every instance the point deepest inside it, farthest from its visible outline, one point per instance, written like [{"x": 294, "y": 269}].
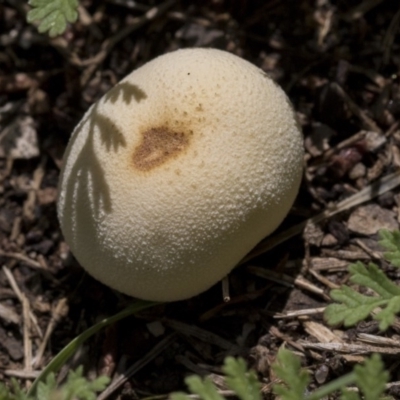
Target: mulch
[{"x": 339, "y": 62}]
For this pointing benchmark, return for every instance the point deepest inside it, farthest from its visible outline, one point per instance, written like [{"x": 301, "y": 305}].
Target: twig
[
  {"x": 323, "y": 280},
  {"x": 297, "y": 313},
  {"x": 360, "y": 9},
  {"x": 22, "y": 374},
  {"x": 350, "y": 348},
  {"x": 273, "y": 330},
  {"x": 93, "y": 62},
  {"x": 26, "y": 310},
  {"x": 380, "y": 340},
  {"x": 21, "y": 257},
  {"x": 160, "y": 347},
  {"x": 376, "y": 189},
  {"x": 371, "y": 253},
  {"x": 367, "y": 122},
  {"x": 225, "y": 290},
  {"x": 287, "y": 280},
  {"x": 21, "y": 297},
  {"x": 390, "y": 36},
  {"x": 59, "y": 312}
]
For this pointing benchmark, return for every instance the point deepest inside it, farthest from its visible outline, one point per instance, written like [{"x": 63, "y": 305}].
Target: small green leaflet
[
  {"x": 75, "y": 387},
  {"x": 349, "y": 395},
  {"x": 391, "y": 242},
  {"x": 374, "y": 278},
  {"x": 371, "y": 377},
  {"x": 16, "y": 392},
  {"x": 353, "y": 307},
  {"x": 204, "y": 388},
  {"x": 46, "y": 388},
  {"x": 287, "y": 368},
  {"x": 53, "y": 15},
  {"x": 243, "y": 382}
]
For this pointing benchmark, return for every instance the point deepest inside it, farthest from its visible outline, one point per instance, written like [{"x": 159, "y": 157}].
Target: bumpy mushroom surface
[{"x": 177, "y": 172}]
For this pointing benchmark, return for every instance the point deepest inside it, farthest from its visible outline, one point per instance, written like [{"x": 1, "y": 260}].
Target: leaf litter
[{"x": 339, "y": 65}]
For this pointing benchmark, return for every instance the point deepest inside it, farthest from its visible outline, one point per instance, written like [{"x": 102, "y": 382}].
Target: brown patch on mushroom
[{"x": 158, "y": 146}]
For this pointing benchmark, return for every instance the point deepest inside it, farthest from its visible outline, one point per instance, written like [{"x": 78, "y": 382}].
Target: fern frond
[{"x": 53, "y": 15}]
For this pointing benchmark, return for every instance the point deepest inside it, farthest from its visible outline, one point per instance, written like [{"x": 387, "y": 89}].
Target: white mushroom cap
[{"x": 177, "y": 172}]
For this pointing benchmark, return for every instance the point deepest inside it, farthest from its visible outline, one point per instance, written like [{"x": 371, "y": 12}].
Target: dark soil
[{"x": 339, "y": 63}]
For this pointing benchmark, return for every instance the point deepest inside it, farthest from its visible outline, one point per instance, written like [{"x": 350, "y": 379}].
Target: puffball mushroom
[{"x": 177, "y": 172}]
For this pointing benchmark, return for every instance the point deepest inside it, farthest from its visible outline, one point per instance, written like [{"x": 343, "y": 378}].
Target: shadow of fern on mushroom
[
  {"x": 126, "y": 92},
  {"x": 177, "y": 172},
  {"x": 86, "y": 183}
]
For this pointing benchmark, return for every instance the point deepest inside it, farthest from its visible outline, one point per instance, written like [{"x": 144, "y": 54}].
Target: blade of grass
[{"x": 59, "y": 360}]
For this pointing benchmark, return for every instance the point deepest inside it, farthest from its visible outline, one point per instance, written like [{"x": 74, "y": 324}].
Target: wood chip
[
  {"x": 321, "y": 332},
  {"x": 328, "y": 264}
]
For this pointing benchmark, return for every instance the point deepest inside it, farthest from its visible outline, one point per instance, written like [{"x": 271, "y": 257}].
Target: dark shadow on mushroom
[
  {"x": 110, "y": 135},
  {"x": 86, "y": 180},
  {"x": 127, "y": 91}
]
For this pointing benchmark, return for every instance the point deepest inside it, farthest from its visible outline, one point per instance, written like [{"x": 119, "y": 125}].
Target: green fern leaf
[
  {"x": 243, "y": 382},
  {"x": 354, "y": 306},
  {"x": 371, "y": 377},
  {"x": 78, "y": 387},
  {"x": 16, "y": 392},
  {"x": 53, "y": 15},
  {"x": 45, "y": 389},
  {"x": 4, "y": 392},
  {"x": 19, "y": 394},
  {"x": 387, "y": 315},
  {"x": 295, "y": 380},
  {"x": 374, "y": 278},
  {"x": 205, "y": 388},
  {"x": 349, "y": 395},
  {"x": 390, "y": 241}
]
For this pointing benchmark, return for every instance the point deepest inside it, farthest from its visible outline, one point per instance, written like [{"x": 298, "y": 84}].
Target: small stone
[
  {"x": 156, "y": 328},
  {"x": 358, "y": 171},
  {"x": 321, "y": 374},
  {"x": 368, "y": 220},
  {"x": 329, "y": 240}
]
